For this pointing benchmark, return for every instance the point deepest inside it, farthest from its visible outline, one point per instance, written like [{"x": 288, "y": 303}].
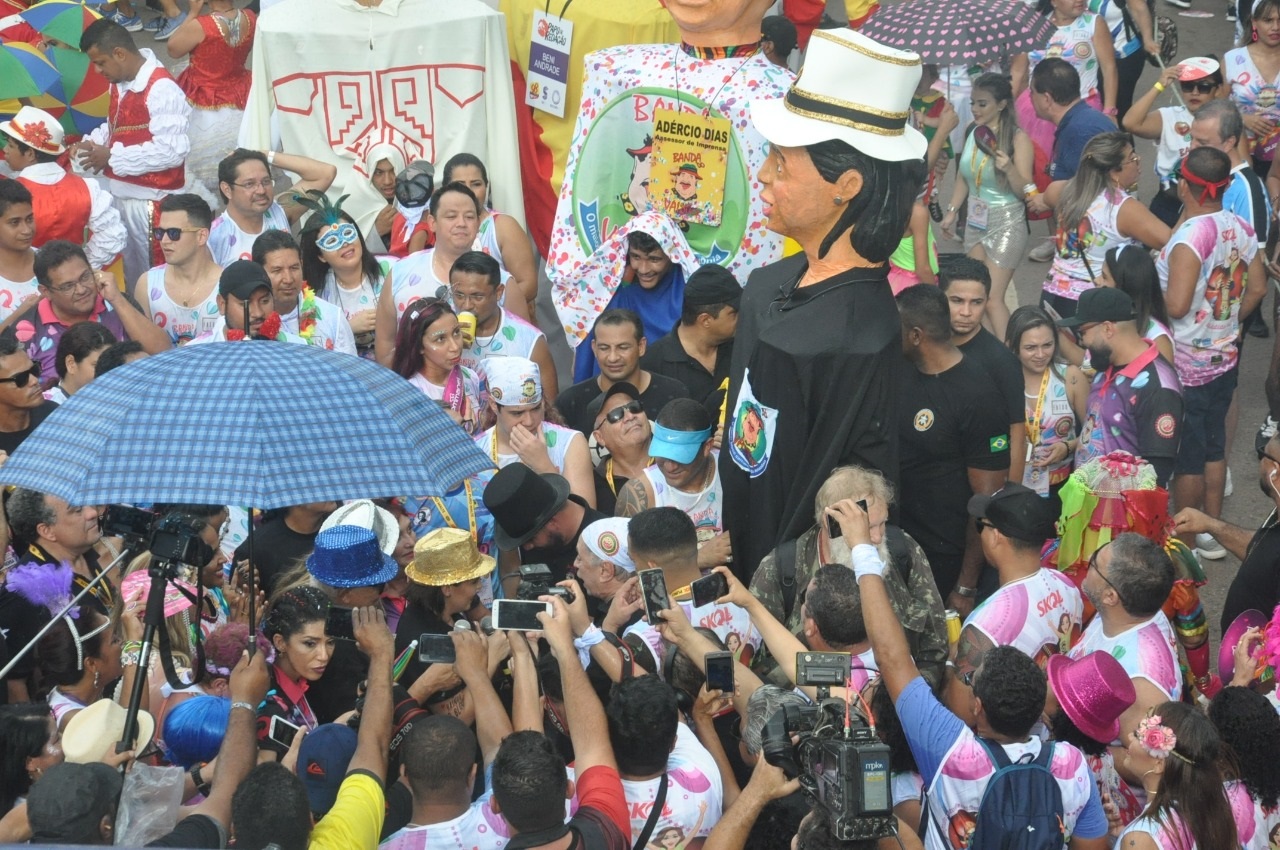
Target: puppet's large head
[{"x": 700, "y": 19}]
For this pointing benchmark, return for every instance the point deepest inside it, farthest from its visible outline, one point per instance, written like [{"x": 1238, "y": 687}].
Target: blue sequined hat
[{"x": 349, "y": 556}]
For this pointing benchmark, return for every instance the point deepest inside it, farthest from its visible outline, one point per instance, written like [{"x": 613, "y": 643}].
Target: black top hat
[{"x": 522, "y": 502}]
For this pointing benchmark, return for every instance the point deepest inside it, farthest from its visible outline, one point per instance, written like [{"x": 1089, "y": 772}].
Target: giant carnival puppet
[
  {"x": 335, "y": 79},
  {"x": 659, "y": 117}
]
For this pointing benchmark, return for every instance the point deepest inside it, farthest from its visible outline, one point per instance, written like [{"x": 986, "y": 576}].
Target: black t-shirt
[
  {"x": 20, "y": 620},
  {"x": 560, "y": 558},
  {"x": 1003, "y": 367},
  {"x": 415, "y": 621},
  {"x": 277, "y": 548},
  {"x": 334, "y": 693},
  {"x": 1257, "y": 582},
  {"x": 606, "y": 496},
  {"x": 574, "y": 402},
  {"x": 668, "y": 357},
  {"x": 195, "y": 831},
  {"x": 948, "y": 423},
  {"x": 10, "y": 440}
]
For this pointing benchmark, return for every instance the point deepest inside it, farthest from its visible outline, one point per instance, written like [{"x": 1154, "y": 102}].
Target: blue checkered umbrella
[{"x": 260, "y": 424}]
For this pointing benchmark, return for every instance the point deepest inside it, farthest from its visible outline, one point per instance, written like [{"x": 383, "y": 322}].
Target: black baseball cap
[
  {"x": 620, "y": 388},
  {"x": 67, "y": 803},
  {"x": 1100, "y": 304},
  {"x": 712, "y": 284},
  {"x": 1018, "y": 512},
  {"x": 242, "y": 278}
]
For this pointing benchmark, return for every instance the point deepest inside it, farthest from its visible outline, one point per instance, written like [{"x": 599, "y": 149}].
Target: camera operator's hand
[
  {"x": 625, "y": 603},
  {"x": 578, "y": 616},
  {"x": 472, "y": 661},
  {"x": 738, "y": 593},
  {"x": 558, "y": 631},
  {"x": 674, "y": 625},
  {"x": 373, "y": 638},
  {"x": 250, "y": 679},
  {"x": 770, "y": 783},
  {"x": 854, "y": 525}
]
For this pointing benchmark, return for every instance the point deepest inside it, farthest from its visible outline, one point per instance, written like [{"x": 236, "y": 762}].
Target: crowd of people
[{"x": 992, "y": 517}]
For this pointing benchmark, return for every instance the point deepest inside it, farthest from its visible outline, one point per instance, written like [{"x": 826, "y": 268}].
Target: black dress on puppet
[{"x": 812, "y": 387}]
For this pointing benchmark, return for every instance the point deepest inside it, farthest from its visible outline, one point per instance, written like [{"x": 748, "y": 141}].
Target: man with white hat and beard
[
  {"x": 604, "y": 566},
  {"x": 805, "y": 394}
]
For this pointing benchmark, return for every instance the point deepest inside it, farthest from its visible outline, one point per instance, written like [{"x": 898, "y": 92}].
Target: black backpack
[{"x": 1021, "y": 808}]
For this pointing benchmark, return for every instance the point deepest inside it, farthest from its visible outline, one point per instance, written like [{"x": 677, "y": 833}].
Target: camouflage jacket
[{"x": 916, "y": 601}]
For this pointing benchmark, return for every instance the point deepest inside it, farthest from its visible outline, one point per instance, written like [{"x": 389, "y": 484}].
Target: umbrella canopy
[
  {"x": 260, "y": 424},
  {"x": 24, "y": 71},
  {"x": 65, "y": 20},
  {"x": 960, "y": 32},
  {"x": 80, "y": 96}
]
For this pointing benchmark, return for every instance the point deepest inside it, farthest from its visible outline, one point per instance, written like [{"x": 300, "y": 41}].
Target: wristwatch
[{"x": 966, "y": 592}]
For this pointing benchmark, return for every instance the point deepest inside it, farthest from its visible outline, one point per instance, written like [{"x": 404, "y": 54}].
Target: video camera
[
  {"x": 536, "y": 580},
  {"x": 846, "y": 771},
  {"x": 173, "y": 538}
]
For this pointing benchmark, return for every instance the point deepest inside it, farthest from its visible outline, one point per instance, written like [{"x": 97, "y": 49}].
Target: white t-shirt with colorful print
[{"x": 1040, "y": 615}]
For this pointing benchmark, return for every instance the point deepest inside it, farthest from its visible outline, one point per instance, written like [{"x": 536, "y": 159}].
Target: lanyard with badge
[
  {"x": 471, "y": 512},
  {"x": 1035, "y": 433},
  {"x": 550, "y": 44},
  {"x": 977, "y": 213}
]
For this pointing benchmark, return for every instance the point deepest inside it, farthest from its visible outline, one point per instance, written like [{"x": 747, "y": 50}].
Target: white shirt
[
  {"x": 1040, "y": 615},
  {"x": 695, "y": 795},
  {"x": 169, "y": 145},
  {"x": 228, "y": 243},
  {"x": 333, "y": 331},
  {"x": 13, "y": 293},
  {"x": 108, "y": 233},
  {"x": 219, "y": 334}
]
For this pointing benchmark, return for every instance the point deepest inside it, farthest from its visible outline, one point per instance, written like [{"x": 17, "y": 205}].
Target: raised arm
[
  {"x": 239, "y": 751},
  {"x": 313, "y": 176},
  {"x": 492, "y": 723},
  {"x": 588, "y": 730},
  {"x": 375, "y": 640}
]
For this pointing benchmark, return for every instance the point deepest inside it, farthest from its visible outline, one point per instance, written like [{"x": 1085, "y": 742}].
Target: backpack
[{"x": 1021, "y": 808}]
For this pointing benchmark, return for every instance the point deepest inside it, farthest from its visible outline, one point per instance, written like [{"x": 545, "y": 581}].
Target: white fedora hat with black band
[{"x": 852, "y": 89}]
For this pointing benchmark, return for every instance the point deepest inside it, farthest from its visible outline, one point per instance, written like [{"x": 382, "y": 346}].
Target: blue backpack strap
[{"x": 995, "y": 752}]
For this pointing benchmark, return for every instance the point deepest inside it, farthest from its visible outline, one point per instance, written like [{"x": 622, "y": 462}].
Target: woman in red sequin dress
[{"x": 216, "y": 82}]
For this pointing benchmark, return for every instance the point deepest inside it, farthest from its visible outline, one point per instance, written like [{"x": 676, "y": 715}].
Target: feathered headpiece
[
  {"x": 318, "y": 203},
  {"x": 44, "y": 585}
]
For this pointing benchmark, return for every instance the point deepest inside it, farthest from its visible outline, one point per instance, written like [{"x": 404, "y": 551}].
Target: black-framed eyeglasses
[
  {"x": 1201, "y": 86},
  {"x": 174, "y": 233},
  {"x": 634, "y": 407},
  {"x": 84, "y": 281},
  {"x": 1093, "y": 567},
  {"x": 1080, "y": 330},
  {"x": 21, "y": 379},
  {"x": 967, "y": 678},
  {"x": 982, "y": 524}
]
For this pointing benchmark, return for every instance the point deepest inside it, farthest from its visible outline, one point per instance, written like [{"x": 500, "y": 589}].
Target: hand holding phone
[
  {"x": 519, "y": 614},
  {"x": 282, "y": 731},
  {"x": 708, "y": 589},
  {"x": 653, "y": 587},
  {"x": 719, "y": 668},
  {"x": 436, "y": 649}
]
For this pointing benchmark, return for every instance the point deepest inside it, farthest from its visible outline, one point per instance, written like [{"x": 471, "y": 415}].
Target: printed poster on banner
[
  {"x": 549, "y": 63},
  {"x": 690, "y": 162}
]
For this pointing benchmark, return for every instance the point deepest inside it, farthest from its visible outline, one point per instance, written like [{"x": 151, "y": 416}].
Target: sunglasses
[
  {"x": 340, "y": 236},
  {"x": 1201, "y": 86},
  {"x": 174, "y": 233},
  {"x": 635, "y": 408},
  {"x": 21, "y": 379}
]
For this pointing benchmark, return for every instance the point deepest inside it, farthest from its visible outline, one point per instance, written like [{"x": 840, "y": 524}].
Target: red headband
[{"x": 1208, "y": 189}]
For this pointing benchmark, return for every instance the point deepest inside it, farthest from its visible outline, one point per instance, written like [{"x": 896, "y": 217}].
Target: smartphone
[
  {"x": 833, "y": 525},
  {"x": 708, "y": 589},
  {"x": 653, "y": 586},
  {"x": 519, "y": 615},
  {"x": 719, "y": 666},
  {"x": 338, "y": 624},
  {"x": 282, "y": 731},
  {"x": 436, "y": 649}
]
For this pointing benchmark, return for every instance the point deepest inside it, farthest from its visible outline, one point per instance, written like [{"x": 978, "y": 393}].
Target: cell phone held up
[
  {"x": 719, "y": 667},
  {"x": 653, "y": 587},
  {"x": 519, "y": 615},
  {"x": 436, "y": 649},
  {"x": 833, "y": 525},
  {"x": 708, "y": 589},
  {"x": 338, "y": 624},
  {"x": 282, "y": 731}
]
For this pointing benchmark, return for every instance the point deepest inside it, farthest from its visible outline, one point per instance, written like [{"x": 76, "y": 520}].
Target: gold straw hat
[{"x": 447, "y": 556}]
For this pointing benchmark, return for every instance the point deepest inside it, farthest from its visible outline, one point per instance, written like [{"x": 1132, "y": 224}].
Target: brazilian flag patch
[{"x": 999, "y": 444}]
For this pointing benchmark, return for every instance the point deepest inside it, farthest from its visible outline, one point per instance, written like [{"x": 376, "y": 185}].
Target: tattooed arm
[
  {"x": 969, "y": 651},
  {"x": 634, "y": 497}
]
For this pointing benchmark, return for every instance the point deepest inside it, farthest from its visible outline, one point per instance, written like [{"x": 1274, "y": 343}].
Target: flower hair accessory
[{"x": 1158, "y": 740}]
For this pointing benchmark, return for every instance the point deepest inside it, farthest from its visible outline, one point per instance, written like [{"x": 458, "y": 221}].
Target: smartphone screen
[
  {"x": 654, "y": 587},
  {"x": 833, "y": 527},
  {"x": 519, "y": 614},
  {"x": 338, "y": 624},
  {"x": 708, "y": 589},
  {"x": 282, "y": 731},
  {"x": 720, "y": 672},
  {"x": 436, "y": 649}
]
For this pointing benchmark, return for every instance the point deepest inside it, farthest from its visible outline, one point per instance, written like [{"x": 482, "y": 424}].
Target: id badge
[
  {"x": 977, "y": 213},
  {"x": 690, "y": 160},
  {"x": 550, "y": 44}
]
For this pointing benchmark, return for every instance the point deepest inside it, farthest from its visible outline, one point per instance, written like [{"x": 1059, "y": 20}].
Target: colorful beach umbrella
[
  {"x": 65, "y": 20},
  {"x": 79, "y": 98},
  {"x": 24, "y": 71}
]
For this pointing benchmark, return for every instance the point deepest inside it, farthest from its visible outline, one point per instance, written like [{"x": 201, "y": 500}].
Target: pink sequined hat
[
  {"x": 1251, "y": 619},
  {"x": 1094, "y": 691}
]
